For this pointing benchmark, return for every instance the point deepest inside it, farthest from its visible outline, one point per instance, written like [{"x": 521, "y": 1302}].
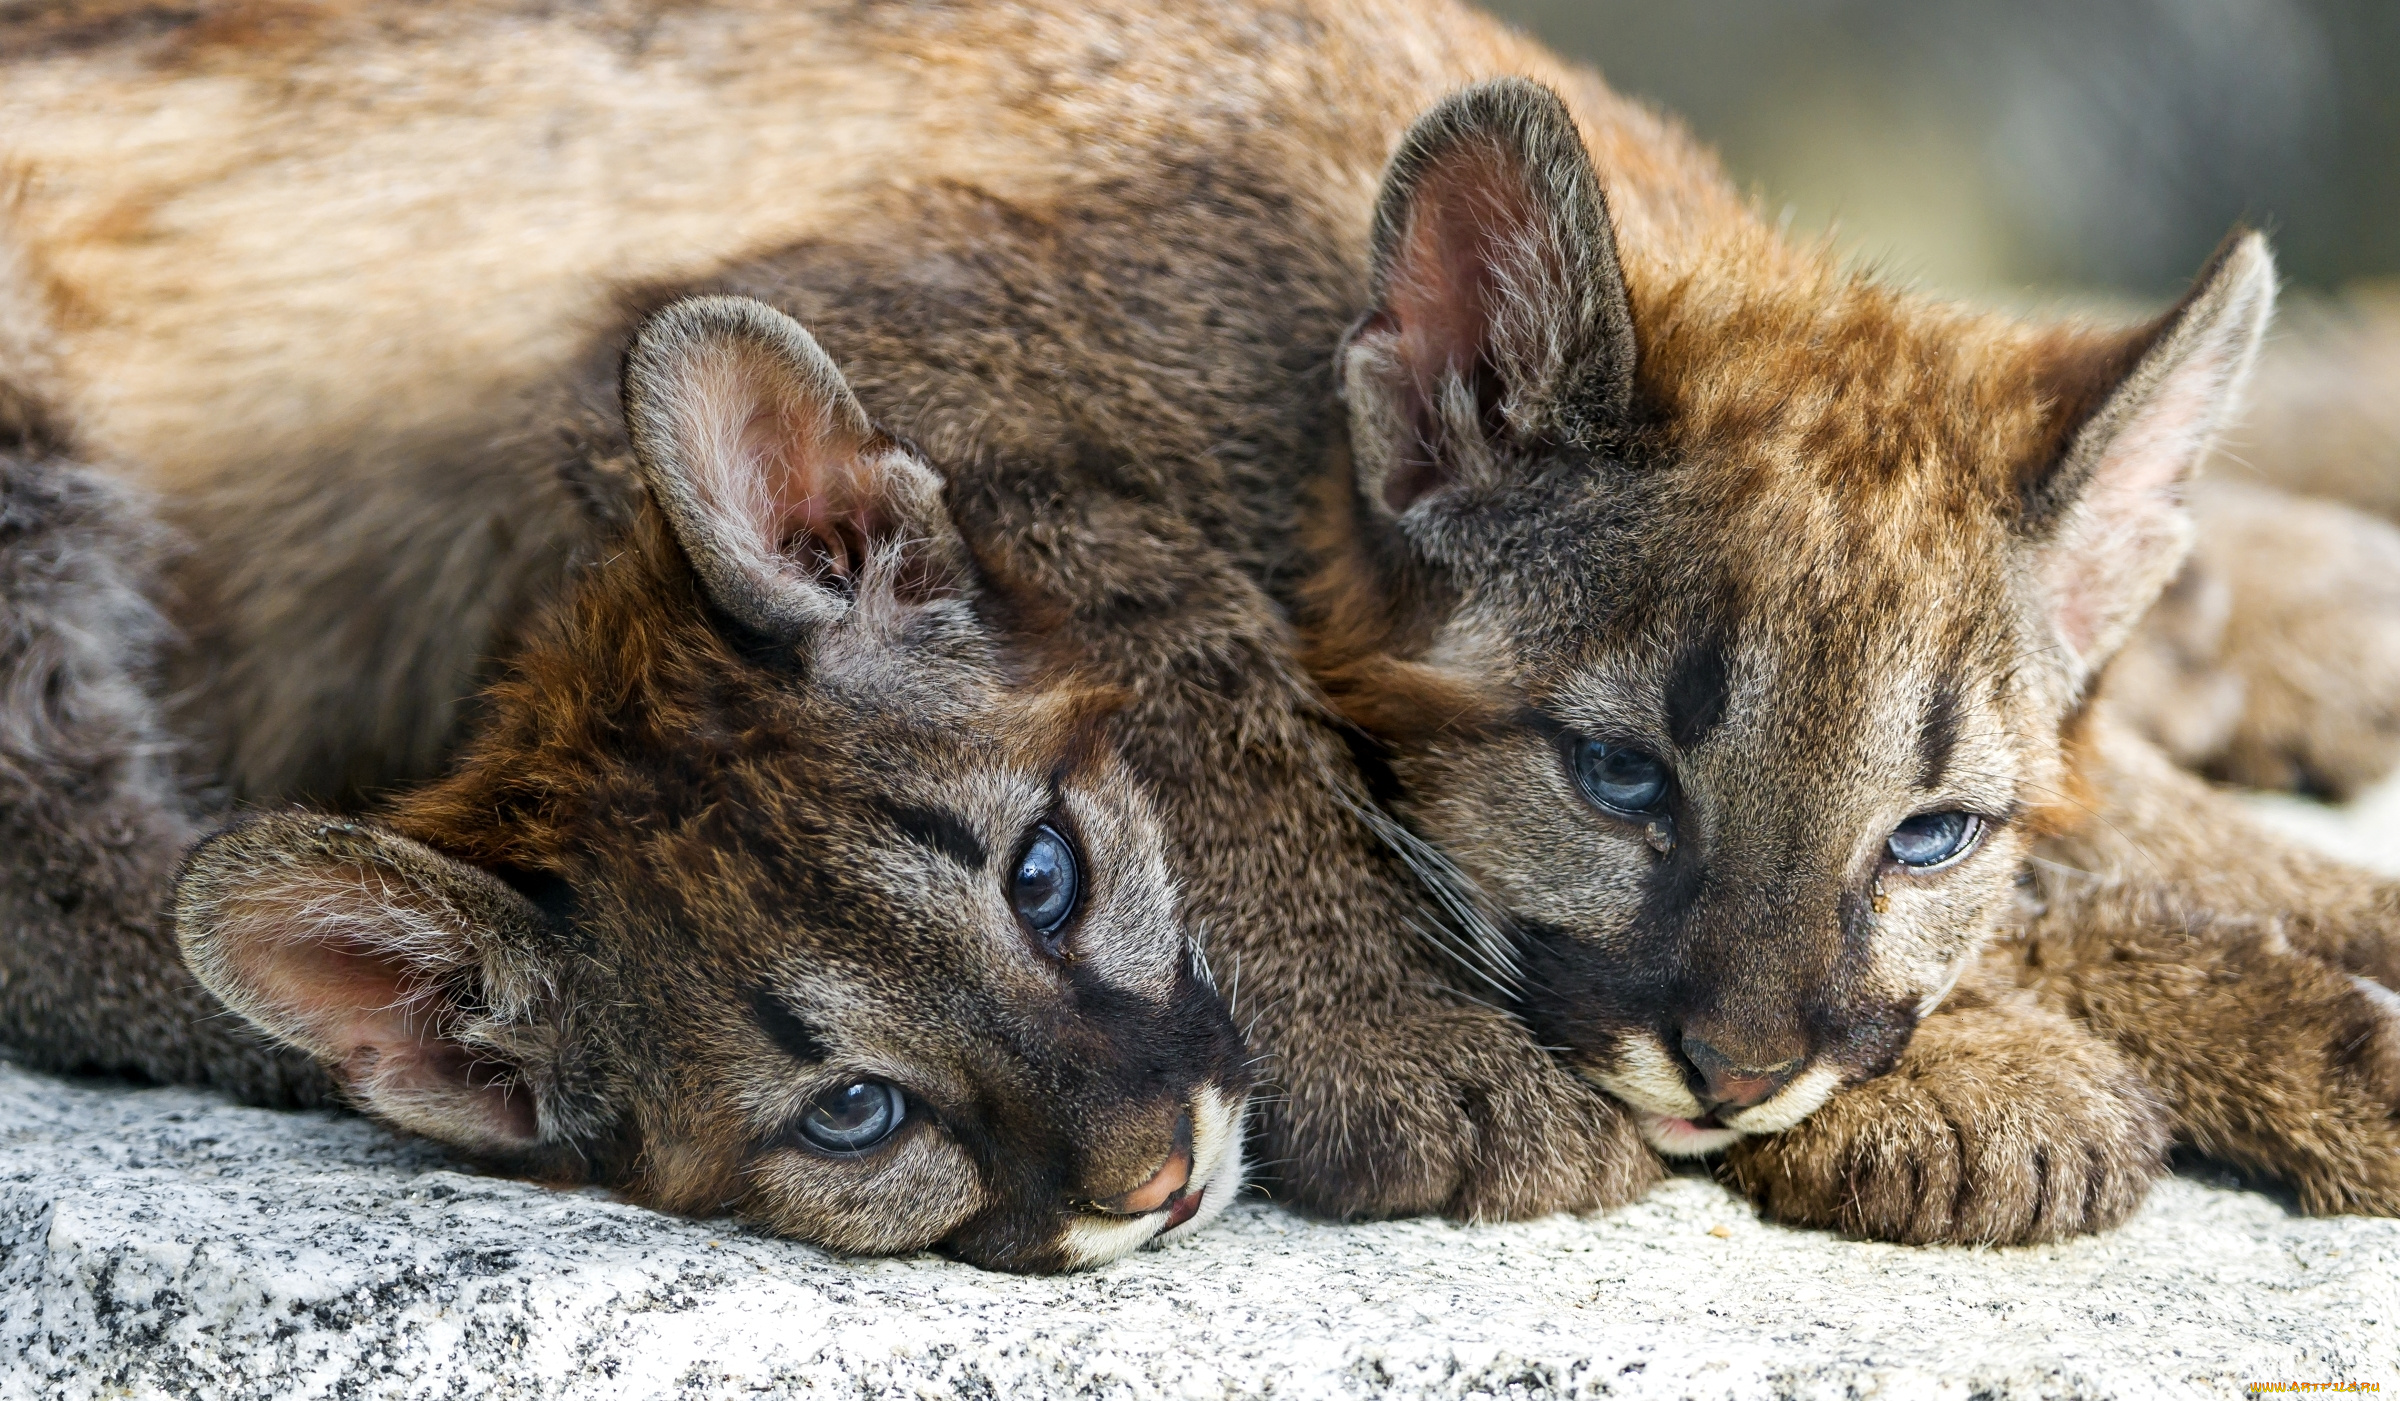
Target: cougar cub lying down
[
  {"x": 765, "y": 882},
  {"x": 1771, "y": 620},
  {"x": 1674, "y": 651}
]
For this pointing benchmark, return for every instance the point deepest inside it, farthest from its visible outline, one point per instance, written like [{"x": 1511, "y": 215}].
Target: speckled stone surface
[{"x": 164, "y": 1243}]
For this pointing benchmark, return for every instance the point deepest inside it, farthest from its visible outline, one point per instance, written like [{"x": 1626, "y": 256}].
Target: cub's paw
[
  {"x": 2002, "y": 1125},
  {"x": 1454, "y": 1111}
]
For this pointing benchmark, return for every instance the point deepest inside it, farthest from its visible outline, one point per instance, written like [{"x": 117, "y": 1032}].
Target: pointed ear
[
  {"x": 1500, "y": 317},
  {"x": 406, "y": 973},
  {"x": 784, "y": 496},
  {"x": 2104, "y": 520}
]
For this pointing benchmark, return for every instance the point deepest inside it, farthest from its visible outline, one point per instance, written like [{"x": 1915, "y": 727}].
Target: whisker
[{"x": 1477, "y": 934}]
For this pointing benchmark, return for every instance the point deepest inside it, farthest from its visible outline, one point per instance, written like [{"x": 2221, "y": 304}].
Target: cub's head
[
  {"x": 1726, "y": 623},
  {"x": 769, "y": 883}
]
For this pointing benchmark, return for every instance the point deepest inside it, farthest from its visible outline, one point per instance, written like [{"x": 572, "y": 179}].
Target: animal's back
[
  {"x": 316, "y": 269},
  {"x": 271, "y": 228},
  {"x": 312, "y": 268}
]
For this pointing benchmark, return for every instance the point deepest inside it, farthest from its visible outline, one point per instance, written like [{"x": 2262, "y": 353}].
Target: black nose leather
[{"x": 1726, "y": 1084}]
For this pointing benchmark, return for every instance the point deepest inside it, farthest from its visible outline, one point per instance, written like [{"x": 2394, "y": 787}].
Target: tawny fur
[
  {"x": 2274, "y": 660},
  {"x": 2270, "y": 663},
  {"x": 1098, "y": 261},
  {"x": 92, "y": 814}
]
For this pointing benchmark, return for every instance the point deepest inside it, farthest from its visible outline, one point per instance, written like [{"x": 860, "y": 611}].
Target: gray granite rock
[{"x": 159, "y": 1242}]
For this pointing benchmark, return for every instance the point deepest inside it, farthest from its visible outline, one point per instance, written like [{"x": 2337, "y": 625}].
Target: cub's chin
[{"x": 1679, "y": 1137}]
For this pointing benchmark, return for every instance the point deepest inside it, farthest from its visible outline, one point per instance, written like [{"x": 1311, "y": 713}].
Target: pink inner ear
[
  {"x": 2155, "y": 452},
  {"x": 361, "y": 1010},
  {"x": 1471, "y": 211},
  {"x": 2127, "y": 518},
  {"x": 814, "y": 495},
  {"x": 1467, "y": 293}
]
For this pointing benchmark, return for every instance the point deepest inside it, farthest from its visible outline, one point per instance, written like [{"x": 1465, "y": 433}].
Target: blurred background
[{"x": 2087, "y": 146}]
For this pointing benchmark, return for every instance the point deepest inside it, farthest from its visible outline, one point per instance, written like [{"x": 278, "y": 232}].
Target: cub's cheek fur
[{"x": 848, "y": 1205}]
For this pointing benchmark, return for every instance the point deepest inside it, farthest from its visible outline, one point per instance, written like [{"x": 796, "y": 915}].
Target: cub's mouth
[
  {"x": 1681, "y": 1137},
  {"x": 1197, "y": 1182},
  {"x": 1677, "y": 1123},
  {"x": 1217, "y": 1169},
  {"x": 1693, "y": 1134}
]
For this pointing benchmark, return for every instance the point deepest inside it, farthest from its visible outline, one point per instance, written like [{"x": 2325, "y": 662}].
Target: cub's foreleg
[
  {"x": 2269, "y": 1059},
  {"x": 2251, "y": 980},
  {"x": 91, "y": 822},
  {"x": 2004, "y": 1123}
]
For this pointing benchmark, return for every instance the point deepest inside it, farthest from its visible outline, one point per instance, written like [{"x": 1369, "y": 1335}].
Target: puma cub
[
  {"x": 762, "y": 883},
  {"x": 1769, "y": 613}
]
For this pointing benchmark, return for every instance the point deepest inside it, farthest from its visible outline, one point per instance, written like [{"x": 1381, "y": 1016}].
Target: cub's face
[
  {"x": 891, "y": 977},
  {"x": 882, "y": 967},
  {"x": 1721, "y": 626},
  {"x": 769, "y": 885},
  {"x": 1750, "y": 798},
  {"x": 877, "y": 976}
]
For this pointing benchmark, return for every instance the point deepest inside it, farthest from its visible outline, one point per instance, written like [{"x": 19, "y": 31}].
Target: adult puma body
[{"x": 1124, "y": 246}]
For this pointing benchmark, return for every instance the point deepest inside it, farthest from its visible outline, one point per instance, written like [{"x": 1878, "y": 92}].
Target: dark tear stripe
[
  {"x": 944, "y": 832},
  {"x": 786, "y": 1028},
  {"x": 1937, "y": 736},
  {"x": 1697, "y": 689}
]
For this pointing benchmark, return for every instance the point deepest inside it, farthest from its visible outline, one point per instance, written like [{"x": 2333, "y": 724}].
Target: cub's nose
[
  {"x": 1728, "y": 1084},
  {"x": 1165, "y": 1184}
]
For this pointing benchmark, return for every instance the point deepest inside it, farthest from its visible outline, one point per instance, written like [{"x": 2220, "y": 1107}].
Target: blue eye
[
  {"x": 1933, "y": 838},
  {"x": 854, "y": 1118},
  {"x": 1046, "y": 882},
  {"x": 1620, "y": 777}
]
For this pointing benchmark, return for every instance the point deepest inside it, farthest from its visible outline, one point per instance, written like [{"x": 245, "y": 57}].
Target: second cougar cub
[{"x": 766, "y": 882}]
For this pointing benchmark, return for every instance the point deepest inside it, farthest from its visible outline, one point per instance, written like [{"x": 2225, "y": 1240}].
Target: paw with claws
[{"x": 2003, "y": 1124}]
